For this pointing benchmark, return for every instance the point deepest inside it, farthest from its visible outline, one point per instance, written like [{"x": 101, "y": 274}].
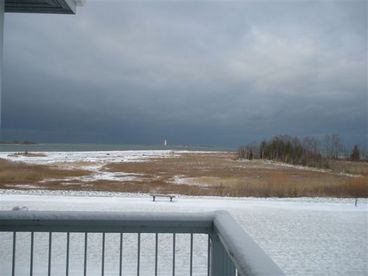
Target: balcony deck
[{"x": 230, "y": 251}]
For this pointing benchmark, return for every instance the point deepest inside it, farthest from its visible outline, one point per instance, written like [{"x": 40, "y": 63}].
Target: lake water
[{"x": 103, "y": 147}]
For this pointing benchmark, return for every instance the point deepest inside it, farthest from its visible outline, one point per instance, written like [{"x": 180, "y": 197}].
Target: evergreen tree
[{"x": 355, "y": 154}]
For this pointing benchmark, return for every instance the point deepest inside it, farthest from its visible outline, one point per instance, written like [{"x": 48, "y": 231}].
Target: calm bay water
[{"x": 102, "y": 147}]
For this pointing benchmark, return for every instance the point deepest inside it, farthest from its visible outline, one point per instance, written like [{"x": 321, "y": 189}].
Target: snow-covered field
[
  {"x": 92, "y": 161},
  {"x": 304, "y": 236},
  {"x": 87, "y": 156}
]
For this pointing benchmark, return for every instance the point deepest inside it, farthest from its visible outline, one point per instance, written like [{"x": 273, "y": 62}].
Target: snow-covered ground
[
  {"x": 88, "y": 156},
  {"x": 304, "y": 236},
  {"x": 93, "y": 161}
]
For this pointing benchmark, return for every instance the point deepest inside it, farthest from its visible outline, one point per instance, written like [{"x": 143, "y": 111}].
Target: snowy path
[{"x": 303, "y": 236}]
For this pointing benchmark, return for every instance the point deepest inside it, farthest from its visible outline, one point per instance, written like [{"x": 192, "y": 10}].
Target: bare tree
[
  {"x": 333, "y": 146},
  {"x": 337, "y": 146},
  {"x": 311, "y": 148},
  {"x": 364, "y": 154}
]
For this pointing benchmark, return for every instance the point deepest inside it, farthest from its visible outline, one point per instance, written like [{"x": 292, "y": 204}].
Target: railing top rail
[
  {"x": 247, "y": 256},
  {"x": 128, "y": 222}
]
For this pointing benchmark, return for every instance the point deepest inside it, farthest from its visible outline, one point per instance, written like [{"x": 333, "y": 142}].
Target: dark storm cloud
[{"x": 195, "y": 72}]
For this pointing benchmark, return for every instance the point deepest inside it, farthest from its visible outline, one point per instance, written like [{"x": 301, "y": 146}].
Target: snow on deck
[{"x": 304, "y": 236}]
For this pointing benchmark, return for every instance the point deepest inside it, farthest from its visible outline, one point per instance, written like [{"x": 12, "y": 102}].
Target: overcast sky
[{"x": 194, "y": 72}]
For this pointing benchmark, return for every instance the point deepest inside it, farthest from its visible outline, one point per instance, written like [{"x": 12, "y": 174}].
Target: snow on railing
[{"x": 230, "y": 251}]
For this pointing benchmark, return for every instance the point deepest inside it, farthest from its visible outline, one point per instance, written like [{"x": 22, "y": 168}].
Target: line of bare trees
[{"x": 308, "y": 151}]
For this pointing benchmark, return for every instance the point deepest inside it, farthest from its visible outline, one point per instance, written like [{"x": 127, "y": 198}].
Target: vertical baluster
[
  {"x": 218, "y": 257},
  {"x": 156, "y": 254},
  {"x": 139, "y": 253},
  {"x": 85, "y": 252},
  {"x": 50, "y": 246},
  {"x": 208, "y": 255},
  {"x": 226, "y": 263},
  {"x": 67, "y": 254},
  {"x": 31, "y": 255},
  {"x": 229, "y": 267},
  {"x": 13, "y": 257},
  {"x": 174, "y": 250},
  {"x": 191, "y": 254},
  {"x": 103, "y": 254},
  {"x": 121, "y": 255}
]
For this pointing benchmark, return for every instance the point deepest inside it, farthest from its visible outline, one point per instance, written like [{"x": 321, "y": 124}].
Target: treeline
[{"x": 308, "y": 151}]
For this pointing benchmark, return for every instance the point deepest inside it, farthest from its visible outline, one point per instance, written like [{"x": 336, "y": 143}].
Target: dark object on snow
[{"x": 162, "y": 195}]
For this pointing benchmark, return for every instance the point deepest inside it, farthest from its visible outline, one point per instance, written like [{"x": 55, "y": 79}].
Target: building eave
[{"x": 42, "y": 6}]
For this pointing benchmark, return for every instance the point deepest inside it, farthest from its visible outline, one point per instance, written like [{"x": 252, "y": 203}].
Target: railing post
[{"x": 220, "y": 265}]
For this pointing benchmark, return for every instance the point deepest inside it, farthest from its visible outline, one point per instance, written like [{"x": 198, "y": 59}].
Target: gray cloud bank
[{"x": 196, "y": 72}]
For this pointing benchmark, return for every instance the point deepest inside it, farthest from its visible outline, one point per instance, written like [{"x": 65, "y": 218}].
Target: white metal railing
[{"x": 230, "y": 251}]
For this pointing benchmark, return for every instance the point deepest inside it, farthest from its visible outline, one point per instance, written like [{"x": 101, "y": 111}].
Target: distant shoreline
[
  {"x": 45, "y": 147},
  {"x": 17, "y": 143}
]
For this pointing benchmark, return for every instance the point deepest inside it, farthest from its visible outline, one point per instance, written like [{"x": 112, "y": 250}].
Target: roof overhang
[{"x": 43, "y": 6}]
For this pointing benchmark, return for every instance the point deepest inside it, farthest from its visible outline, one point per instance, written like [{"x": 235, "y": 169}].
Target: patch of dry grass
[
  {"x": 224, "y": 176},
  {"x": 21, "y": 173},
  {"x": 209, "y": 174},
  {"x": 352, "y": 167}
]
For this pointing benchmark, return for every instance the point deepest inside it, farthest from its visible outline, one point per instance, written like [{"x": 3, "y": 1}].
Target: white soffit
[{"x": 43, "y": 6}]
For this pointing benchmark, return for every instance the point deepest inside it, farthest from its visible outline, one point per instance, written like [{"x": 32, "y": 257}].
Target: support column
[
  {"x": 221, "y": 265},
  {"x": 1, "y": 56}
]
